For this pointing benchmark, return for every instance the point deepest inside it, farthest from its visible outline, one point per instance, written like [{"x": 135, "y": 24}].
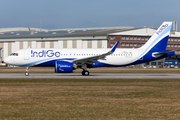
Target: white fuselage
[{"x": 31, "y": 57}]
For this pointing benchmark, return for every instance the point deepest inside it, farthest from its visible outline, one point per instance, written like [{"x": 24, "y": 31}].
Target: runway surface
[{"x": 92, "y": 76}]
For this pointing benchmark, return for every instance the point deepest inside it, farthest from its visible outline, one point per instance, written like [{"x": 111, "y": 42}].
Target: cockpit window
[{"x": 14, "y": 54}]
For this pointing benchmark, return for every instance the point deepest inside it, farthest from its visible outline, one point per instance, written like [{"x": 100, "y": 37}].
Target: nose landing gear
[{"x": 27, "y": 71}]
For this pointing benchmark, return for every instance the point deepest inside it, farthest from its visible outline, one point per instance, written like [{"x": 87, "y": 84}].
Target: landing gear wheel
[
  {"x": 85, "y": 73},
  {"x": 27, "y": 71},
  {"x": 26, "y": 74}
]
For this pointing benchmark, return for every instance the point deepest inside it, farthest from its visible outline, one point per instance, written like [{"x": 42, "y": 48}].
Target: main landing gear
[
  {"x": 27, "y": 71},
  {"x": 85, "y": 72}
]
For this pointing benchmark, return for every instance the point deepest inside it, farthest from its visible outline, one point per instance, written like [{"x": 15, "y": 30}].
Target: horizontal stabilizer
[{"x": 158, "y": 54}]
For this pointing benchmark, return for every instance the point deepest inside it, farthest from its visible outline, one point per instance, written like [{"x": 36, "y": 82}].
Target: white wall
[
  {"x": 79, "y": 44},
  {"x": 38, "y": 44},
  {"x": 60, "y": 44},
  {"x": 5, "y": 50},
  {"x": 104, "y": 43},
  {"x": 16, "y": 45},
  {"x": 33, "y": 44},
  {"x": 47, "y": 44},
  {"x": 25, "y": 45},
  {"x": 56, "y": 44},
  {"x": 94, "y": 44},
  {"x": 84, "y": 44},
  {"x": 69, "y": 44}
]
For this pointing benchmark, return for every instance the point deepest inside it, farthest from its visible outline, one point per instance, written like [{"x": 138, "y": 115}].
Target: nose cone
[{"x": 7, "y": 60}]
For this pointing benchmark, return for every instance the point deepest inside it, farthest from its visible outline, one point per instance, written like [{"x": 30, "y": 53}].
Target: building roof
[
  {"x": 18, "y": 29},
  {"x": 137, "y": 32},
  {"x": 17, "y": 33},
  {"x": 13, "y": 33},
  {"x": 34, "y": 34},
  {"x": 175, "y": 34},
  {"x": 143, "y": 32}
]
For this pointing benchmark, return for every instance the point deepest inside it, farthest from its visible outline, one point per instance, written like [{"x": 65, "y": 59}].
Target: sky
[{"x": 58, "y": 14}]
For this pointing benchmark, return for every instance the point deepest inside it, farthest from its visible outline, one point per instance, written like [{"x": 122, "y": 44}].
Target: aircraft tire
[
  {"x": 26, "y": 74},
  {"x": 85, "y": 73}
]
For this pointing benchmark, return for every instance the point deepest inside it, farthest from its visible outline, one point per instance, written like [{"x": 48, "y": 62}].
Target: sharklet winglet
[{"x": 114, "y": 47}]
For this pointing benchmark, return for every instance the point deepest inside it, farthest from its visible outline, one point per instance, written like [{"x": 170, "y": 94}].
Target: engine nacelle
[{"x": 63, "y": 67}]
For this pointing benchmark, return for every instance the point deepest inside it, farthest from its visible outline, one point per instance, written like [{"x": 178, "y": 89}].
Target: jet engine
[{"x": 63, "y": 67}]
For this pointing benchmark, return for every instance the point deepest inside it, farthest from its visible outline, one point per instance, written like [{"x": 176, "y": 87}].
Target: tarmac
[{"x": 91, "y": 76}]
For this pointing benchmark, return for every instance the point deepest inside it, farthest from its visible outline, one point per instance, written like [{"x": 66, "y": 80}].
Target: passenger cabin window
[{"x": 14, "y": 54}]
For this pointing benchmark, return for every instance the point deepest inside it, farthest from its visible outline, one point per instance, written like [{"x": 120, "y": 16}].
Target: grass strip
[{"x": 89, "y": 99}]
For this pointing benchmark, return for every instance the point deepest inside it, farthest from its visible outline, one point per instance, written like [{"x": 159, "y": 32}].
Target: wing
[{"x": 90, "y": 60}]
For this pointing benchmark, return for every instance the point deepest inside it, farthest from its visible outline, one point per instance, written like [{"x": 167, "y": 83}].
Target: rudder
[{"x": 159, "y": 39}]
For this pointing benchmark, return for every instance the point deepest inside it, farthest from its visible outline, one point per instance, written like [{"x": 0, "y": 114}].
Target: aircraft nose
[{"x": 7, "y": 60}]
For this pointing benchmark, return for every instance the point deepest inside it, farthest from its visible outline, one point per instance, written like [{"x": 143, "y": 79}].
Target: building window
[
  {"x": 112, "y": 38},
  {"x": 138, "y": 45},
  {"x": 169, "y": 39},
  {"x": 142, "y": 44},
  {"x": 153, "y": 63},
  {"x": 172, "y": 45},
  {"x": 175, "y": 45},
  {"x": 127, "y": 44},
  {"x": 178, "y": 40},
  {"x": 112, "y": 44},
  {"x": 135, "y": 44},
  {"x": 175, "y": 39},
  {"x": 131, "y": 38},
  {"x": 135, "y": 38},
  {"x": 122, "y": 44},
  {"x": 168, "y": 45},
  {"x": 138, "y": 38},
  {"x": 127, "y": 38},
  {"x": 146, "y": 39},
  {"x": 142, "y": 38},
  {"x": 131, "y": 44},
  {"x": 178, "y": 45},
  {"x": 122, "y": 38},
  {"x": 172, "y": 39}
]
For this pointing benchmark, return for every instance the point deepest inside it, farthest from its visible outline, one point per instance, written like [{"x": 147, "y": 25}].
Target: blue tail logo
[{"x": 161, "y": 29}]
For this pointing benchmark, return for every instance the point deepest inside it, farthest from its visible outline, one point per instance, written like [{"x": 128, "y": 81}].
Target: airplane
[{"x": 67, "y": 60}]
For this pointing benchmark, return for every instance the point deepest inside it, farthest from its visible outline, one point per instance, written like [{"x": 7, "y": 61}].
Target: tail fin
[{"x": 159, "y": 39}]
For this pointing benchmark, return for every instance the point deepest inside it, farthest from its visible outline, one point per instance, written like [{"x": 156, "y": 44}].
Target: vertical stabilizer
[{"x": 159, "y": 39}]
